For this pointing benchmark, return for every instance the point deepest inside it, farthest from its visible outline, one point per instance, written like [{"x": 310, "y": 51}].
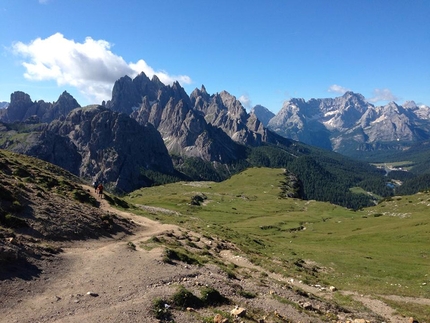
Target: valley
[{"x": 282, "y": 259}]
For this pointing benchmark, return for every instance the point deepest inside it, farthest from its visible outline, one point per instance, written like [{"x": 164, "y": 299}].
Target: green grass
[{"x": 379, "y": 250}]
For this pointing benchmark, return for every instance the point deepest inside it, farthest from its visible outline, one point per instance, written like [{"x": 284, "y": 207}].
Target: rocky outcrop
[
  {"x": 98, "y": 143},
  {"x": 215, "y": 128},
  {"x": 170, "y": 110},
  {"x": 224, "y": 111},
  {"x": 22, "y": 108}
]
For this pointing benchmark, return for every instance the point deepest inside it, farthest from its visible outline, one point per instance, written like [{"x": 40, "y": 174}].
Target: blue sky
[{"x": 262, "y": 52}]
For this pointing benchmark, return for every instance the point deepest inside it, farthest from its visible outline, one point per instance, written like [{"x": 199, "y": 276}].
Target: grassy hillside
[
  {"x": 40, "y": 205},
  {"x": 379, "y": 250}
]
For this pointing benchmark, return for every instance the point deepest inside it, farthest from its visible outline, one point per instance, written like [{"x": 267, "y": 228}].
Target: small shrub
[
  {"x": 211, "y": 297},
  {"x": 84, "y": 197},
  {"x": 161, "y": 310},
  {"x": 246, "y": 294},
  {"x": 121, "y": 203},
  {"x": 183, "y": 298},
  {"x": 198, "y": 199}
]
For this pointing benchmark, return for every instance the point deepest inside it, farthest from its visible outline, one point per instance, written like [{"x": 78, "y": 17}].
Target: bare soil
[{"x": 117, "y": 279}]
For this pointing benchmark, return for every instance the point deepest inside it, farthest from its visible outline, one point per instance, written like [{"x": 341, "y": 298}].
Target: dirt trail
[{"x": 116, "y": 276}]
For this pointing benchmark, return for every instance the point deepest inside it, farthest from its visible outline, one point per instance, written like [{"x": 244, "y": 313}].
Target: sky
[{"x": 262, "y": 52}]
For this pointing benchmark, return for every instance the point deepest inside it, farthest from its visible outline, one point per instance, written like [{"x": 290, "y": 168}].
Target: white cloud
[
  {"x": 246, "y": 101},
  {"x": 90, "y": 66},
  {"x": 337, "y": 89},
  {"x": 382, "y": 95}
]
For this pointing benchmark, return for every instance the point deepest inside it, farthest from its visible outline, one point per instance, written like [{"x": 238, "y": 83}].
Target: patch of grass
[
  {"x": 246, "y": 294},
  {"x": 183, "y": 298},
  {"x": 171, "y": 254},
  {"x": 212, "y": 297},
  {"x": 419, "y": 312}
]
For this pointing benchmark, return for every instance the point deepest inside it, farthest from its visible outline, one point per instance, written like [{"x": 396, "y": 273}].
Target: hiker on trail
[
  {"x": 95, "y": 185},
  {"x": 100, "y": 189}
]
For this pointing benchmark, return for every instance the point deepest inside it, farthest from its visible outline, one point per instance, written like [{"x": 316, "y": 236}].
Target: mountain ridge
[
  {"x": 155, "y": 133},
  {"x": 350, "y": 122}
]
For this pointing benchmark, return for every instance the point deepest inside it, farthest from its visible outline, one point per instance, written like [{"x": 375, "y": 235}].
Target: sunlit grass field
[{"x": 383, "y": 250}]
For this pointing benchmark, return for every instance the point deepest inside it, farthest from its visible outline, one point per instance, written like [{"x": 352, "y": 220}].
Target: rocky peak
[
  {"x": 357, "y": 97},
  {"x": 392, "y": 109},
  {"x": 20, "y": 98},
  {"x": 20, "y": 104},
  {"x": 113, "y": 147},
  {"x": 61, "y": 107},
  {"x": 157, "y": 81},
  {"x": 263, "y": 114},
  {"x": 124, "y": 96},
  {"x": 201, "y": 96}
]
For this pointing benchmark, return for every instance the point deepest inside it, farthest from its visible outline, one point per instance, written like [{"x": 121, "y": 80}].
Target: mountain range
[
  {"x": 150, "y": 133},
  {"x": 349, "y": 124}
]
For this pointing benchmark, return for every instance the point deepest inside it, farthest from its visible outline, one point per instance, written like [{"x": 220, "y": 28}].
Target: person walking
[{"x": 100, "y": 189}]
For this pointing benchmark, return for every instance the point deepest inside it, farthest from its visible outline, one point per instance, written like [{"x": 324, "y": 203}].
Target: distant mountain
[
  {"x": 22, "y": 108},
  {"x": 350, "y": 125},
  {"x": 263, "y": 114},
  {"x": 153, "y": 133},
  {"x": 4, "y": 105}
]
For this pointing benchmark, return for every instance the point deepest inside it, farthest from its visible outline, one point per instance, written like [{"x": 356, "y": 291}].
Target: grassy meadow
[{"x": 382, "y": 250}]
